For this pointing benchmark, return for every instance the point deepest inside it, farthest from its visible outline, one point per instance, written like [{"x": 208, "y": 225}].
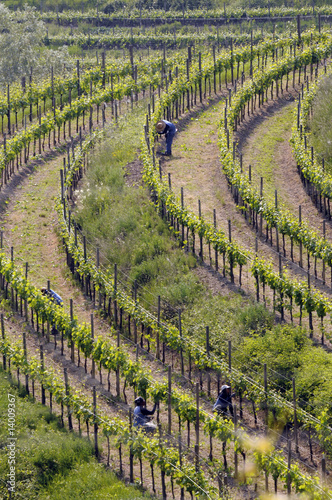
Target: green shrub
[
  {"x": 314, "y": 380},
  {"x": 221, "y": 314},
  {"x": 281, "y": 349},
  {"x": 255, "y": 318},
  {"x": 182, "y": 292}
]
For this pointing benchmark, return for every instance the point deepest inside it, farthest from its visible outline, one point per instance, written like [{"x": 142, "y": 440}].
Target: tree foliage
[
  {"x": 22, "y": 48},
  {"x": 21, "y": 36}
]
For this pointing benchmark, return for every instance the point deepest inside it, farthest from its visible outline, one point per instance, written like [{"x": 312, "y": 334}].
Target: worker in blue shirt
[
  {"x": 142, "y": 416},
  {"x": 51, "y": 294},
  {"x": 169, "y": 129}
]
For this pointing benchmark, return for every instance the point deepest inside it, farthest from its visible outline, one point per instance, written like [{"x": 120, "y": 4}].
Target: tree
[
  {"x": 22, "y": 47},
  {"x": 21, "y": 36}
]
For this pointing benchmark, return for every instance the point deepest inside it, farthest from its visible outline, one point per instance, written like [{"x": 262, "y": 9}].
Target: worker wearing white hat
[
  {"x": 169, "y": 129},
  {"x": 224, "y": 401}
]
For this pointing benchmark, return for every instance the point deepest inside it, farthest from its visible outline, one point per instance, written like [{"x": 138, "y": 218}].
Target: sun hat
[
  {"x": 139, "y": 401},
  {"x": 225, "y": 387},
  {"x": 160, "y": 126}
]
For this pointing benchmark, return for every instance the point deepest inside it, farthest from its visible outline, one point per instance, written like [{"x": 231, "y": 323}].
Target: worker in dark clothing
[
  {"x": 51, "y": 294},
  {"x": 142, "y": 415},
  {"x": 169, "y": 129},
  {"x": 224, "y": 401}
]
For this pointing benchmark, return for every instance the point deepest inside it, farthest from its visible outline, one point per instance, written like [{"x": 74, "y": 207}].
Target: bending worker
[
  {"x": 142, "y": 415},
  {"x": 169, "y": 129},
  {"x": 54, "y": 297},
  {"x": 224, "y": 401}
]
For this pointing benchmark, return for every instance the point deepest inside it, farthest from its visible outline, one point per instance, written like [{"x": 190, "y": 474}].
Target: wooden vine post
[
  {"x": 26, "y": 358},
  {"x": 182, "y": 206},
  {"x": 162, "y": 470},
  {"x": 230, "y": 357},
  {"x": 201, "y": 237},
  {"x": 181, "y": 349},
  {"x": 200, "y": 76},
  {"x": 85, "y": 260},
  {"x": 70, "y": 424},
  {"x": 215, "y": 228},
  {"x": 135, "y": 323},
  {"x": 235, "y": 451},
  {"x": 251, "y": 54},
  {"x": 261, "y": 216},
  {"x": 118, "y": 368},
  {"x": 169, "y": 400},
  {"x": 180, "y": 462},
  {"x": 115, "y": 295},
  {"x": 300, "y": 223},
  {"x": 188, "y": 78},
  {"x": 266, "y": 400},
  {"x": 93, "y": 369},
  {"x": 324, "y": 236},
  {"x": 207, "y": 332},
  {"x": 25, "y": 300},
  {"x": 323, "y": 469},
  {"x": 158, "y": 328},
  {"x": 4, "y": 359},
  {"x": 8, "y": 114},
  {"x": 277, "y": 232},
  {"x": 78, "y": 77},
  {"x": 41, "y": 348},
  {"x": 295, "y": 418},
  {"x": 72, "y": 345},
  {"x": 289, "y": 456},
  {"x": 103, "y": 68},
  {"x": 298, "y": 29},
  {"x": 197, "y": 428},
  {"x": 230, "y": 257},
  {"x": 95, "y": 425}
]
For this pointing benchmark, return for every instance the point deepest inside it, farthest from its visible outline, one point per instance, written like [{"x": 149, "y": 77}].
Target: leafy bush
[
  {"x": 281, "y": 348},
  {"x": 255, "y": 318},
  {"x": 289, "y": 352},
  {"x": 313, "y": 385}
]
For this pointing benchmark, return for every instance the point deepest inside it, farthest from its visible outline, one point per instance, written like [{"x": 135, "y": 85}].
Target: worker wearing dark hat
[
  {"x": 224, "y": 401},
  {"x": 142, "y": 415},
  {"x": 169, "y": 129}
]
